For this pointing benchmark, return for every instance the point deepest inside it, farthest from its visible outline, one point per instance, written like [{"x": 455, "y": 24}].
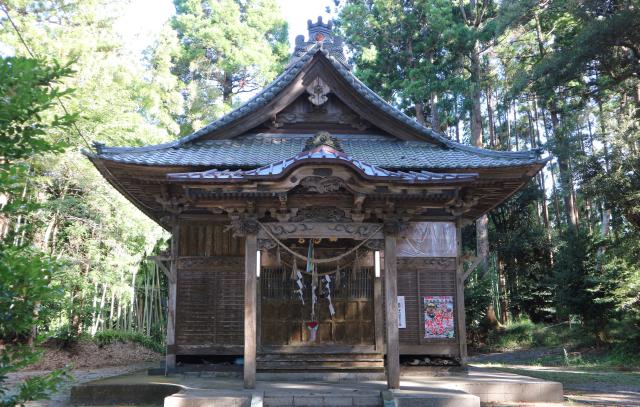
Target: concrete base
[
  {"x": 492, "y": 386},
  {"x": 434, "y": 398},
  {"x": 208, "y": 398},
  {"x": 206, "y": 389}
]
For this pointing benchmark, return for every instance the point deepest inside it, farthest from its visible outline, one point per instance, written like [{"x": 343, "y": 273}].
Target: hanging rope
[{"x": 318, "y": 261}]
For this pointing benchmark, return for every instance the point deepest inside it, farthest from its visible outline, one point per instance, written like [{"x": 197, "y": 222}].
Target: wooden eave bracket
[
  {"x": 161, "y": 262},
  {"x": 475, "y": 261}
]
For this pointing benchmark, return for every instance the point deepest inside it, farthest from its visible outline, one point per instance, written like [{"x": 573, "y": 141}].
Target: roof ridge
[{"x": 284, "y": 79}]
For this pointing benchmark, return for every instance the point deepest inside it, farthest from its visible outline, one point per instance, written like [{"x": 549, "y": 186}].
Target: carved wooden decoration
[
  {"x": 318, "y": 91},
  {"x": 345, "y": 230},
  {"x": 320, "y": 214},
  {"x": 322, "y": 185}
]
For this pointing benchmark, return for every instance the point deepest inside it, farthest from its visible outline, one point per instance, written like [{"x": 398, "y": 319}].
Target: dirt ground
[
  {"x": 87, "y": 354},
  {"x": 582, "y": 386}
]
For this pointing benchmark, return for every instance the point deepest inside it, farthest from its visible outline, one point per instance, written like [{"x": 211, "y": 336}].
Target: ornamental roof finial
[{"x": 321, "y": 33}]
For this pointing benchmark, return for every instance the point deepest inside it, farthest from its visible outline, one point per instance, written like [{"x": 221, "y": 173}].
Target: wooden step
[
  {"x": 346, "y": 362},
  {"x": 372, "y": 357}
]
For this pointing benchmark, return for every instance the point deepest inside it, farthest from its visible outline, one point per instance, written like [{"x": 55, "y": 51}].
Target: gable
[{"x": 317, "y": 92}]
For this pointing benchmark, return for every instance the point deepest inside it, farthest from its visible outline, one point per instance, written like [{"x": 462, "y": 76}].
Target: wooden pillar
[
  {"x": 460, "y": 314},
  {"x": 173, "y": 291},
  {"x": 391, "y": 299},
  {"x": 378, "y": 303},
  {"x": 250, "y": 305}
]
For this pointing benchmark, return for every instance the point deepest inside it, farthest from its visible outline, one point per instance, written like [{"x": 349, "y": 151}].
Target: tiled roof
[
  {"x": 323, "y": 154},
  {"x": 389, "y": 154},
  {"x": 262, "y": 150}
]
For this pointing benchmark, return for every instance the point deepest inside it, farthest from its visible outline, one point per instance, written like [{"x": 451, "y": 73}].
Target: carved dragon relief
[
  {"x": 320, "y": 214},
  {"x": 322, "y": 185}
]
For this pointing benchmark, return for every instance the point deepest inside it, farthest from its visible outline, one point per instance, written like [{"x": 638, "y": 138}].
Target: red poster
[{"x": 438, "y": 317}]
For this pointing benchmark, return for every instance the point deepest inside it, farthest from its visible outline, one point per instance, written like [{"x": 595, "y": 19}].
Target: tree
[
  {"x": 28, "y": 91},
  {"x": 409, "y": 52},
  {"x": 225, "y": 49},
  {"x": 80, "y": 219}
]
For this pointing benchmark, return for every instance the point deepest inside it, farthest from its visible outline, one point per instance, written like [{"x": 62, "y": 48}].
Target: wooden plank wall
[
  {"x": 210, "y": 292},
  {"x": 207, "y": 239},
  {"x": 418, "y": 277}
]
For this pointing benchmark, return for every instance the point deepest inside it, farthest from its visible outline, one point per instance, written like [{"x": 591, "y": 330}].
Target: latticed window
[{"x": 276, "y": 283}]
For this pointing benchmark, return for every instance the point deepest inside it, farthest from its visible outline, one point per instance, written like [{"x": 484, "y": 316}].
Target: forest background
[{"x": 561, "y": 75}]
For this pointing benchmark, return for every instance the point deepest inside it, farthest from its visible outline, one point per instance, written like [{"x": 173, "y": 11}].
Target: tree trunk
[
  {"x": 566, "y": 178},
  {"x": 476, "y": 111},
  {"x": 502, "y": 289},
  {"x": 420, "y": 114},
  {"x": 227, "y": 89},
  {"x": 492, "y": 130},
  {"x": 435, "y": 117}
]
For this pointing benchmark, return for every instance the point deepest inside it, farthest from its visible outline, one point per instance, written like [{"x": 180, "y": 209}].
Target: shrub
[{"x": 111, "y": 336}]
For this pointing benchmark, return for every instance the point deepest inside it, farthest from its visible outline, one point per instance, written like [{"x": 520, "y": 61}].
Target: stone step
[
  {"x": 321, "y": 400},
  {"x": 432, "y": 398},
  {"x": 208, "y": 399}
]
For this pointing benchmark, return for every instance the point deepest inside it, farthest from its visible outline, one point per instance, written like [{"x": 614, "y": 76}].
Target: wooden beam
[
  {"x": 160, "y": 262},
  {"x": 172, "y": 277},
  {"x": 476, "y": 261},
  {"x": 391, "y": 296},
  {"x": 250, "y": 305},
  {"x": 295, "y": 230},
  {"x": 460, "y": 315}
]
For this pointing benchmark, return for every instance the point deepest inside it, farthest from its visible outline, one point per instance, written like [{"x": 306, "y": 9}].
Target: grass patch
[
  {"x": 564, "y": 344},
  {"x": 592, "y": 358},
  {"x": 107, "y": 337},
  {"x": 524, "y": 334}
]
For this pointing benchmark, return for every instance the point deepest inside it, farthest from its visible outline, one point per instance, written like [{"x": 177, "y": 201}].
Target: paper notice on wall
[{"x": 402, "y": 319}]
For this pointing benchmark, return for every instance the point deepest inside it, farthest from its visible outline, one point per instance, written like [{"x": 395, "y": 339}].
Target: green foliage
[
  {"x": 27, "y": 93},
  {"x": 27, "y": 291},
  {"x": 112, "y": 336},
  {"x": 525, "y": 334},
  {"x": 15, "y": 357},
  {"x": 521, "y": 244},
  {"x": 407, "y": 51},
  {"x": 217, "y": 51}
]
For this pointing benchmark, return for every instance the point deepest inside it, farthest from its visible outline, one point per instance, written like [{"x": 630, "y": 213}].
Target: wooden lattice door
[{"x": 283, "y": 317}]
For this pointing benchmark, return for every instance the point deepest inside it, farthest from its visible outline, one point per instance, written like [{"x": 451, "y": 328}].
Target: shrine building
[{"x": 315, "y": 227}]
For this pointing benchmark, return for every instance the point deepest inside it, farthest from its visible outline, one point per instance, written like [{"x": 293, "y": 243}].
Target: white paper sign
[{"x": 402, "y": 320}]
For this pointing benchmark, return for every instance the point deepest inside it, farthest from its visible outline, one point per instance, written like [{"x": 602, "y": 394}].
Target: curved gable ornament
[{"x": 318, "y": 91}]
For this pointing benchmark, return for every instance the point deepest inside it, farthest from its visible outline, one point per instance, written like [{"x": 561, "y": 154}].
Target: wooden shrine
[{"x": 315, "y": 219}]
